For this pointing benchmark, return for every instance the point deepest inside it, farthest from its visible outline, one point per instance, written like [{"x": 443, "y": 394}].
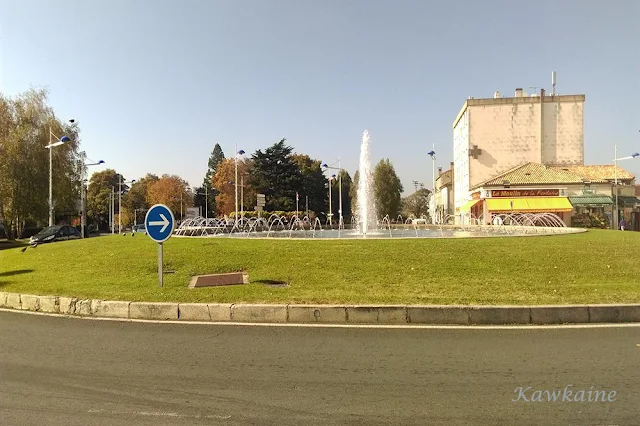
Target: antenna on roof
[{"x": 553, "y": 83}]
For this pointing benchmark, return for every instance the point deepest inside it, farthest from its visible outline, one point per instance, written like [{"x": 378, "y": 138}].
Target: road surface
[{"x": 70, "y": 371}]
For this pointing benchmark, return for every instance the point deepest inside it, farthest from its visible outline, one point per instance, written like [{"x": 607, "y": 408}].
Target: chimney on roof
[
  {"x": 439, "y": 171},
  {"x": 519, "y": 92},
  {"x": 451, "y": 164}
]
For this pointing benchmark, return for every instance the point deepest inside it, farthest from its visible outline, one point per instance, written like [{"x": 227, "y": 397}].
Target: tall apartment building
[{"x": 493, "y": 135}]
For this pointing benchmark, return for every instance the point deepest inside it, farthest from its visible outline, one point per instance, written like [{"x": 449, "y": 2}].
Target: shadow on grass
[
  {"x": 272, "y": 283},
  {"x": 9, "y": 244},
  {"x": 16, "y": 272}
]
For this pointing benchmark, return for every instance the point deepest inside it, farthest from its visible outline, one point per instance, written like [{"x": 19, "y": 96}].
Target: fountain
[
  {"x": 366, "y": 209},
  {"x": 365, "y": 223}
]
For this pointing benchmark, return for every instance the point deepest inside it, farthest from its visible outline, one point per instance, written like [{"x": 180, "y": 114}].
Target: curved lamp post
[
  {"x": 615, "y": 184},
  {"x": 432, "y": 154},
  {"x": 330, "y": 215},
  {"x": 58, "y": 141},
  {"x": 83, "y": 197}
]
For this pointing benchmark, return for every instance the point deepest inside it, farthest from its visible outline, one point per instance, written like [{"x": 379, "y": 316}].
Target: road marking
[
  {"x": 314, "y": 325},
  {"x": 159, "y": 414}
]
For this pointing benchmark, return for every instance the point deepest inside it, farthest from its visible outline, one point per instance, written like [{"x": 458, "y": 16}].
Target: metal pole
[
  {"x": 341, "y": 222},
  {"x": 615, "y": 186},
  {"x": 160, "y": 264},
  {"x": 120, "y": 205},
  {"x": 113, "y": 210},
  {"x": 181, "y": 214},
  {"x": 83, "y": 209},
  {"x": 236, "y": 181},
  {"x": 330, "y": 211},
  {"x": 297, "y": 197},
  {"x": 307, "y": 205},
  {"x": 242, "y": 195},
  {"x": 206, "y": 202},
  {"x": 50, "y": 180},
  {"x": 433, "y": 185}
]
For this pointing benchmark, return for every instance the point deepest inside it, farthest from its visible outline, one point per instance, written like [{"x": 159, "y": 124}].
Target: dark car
[{"x": 55, "y": 233}]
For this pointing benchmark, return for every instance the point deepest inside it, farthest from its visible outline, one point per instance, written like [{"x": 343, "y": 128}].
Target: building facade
[
  {"x": 493, "y": 135},
  {"x": 566, "y": 191}
]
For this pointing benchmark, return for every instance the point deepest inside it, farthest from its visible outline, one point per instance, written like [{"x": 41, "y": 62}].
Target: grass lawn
[{"x": 594, "y": 267}]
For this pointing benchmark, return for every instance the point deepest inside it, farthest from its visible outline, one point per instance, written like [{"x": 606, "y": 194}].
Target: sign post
[{"x": 159, "y": 223}]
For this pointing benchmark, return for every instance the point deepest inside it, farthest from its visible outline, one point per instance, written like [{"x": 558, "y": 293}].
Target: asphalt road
[{"x": 69, "y": 371}]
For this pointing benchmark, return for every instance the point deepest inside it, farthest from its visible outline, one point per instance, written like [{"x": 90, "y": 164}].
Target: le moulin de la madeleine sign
[{"x": 509, "y": 193}]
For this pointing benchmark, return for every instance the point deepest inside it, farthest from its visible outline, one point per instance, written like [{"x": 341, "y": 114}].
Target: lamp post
[
  {"x": 241, "y": 186},
  {"x": 615, "y": 180},
  {"x": 206, "y": 201},
  {"x": 83, "y": 193},
  {"x": 238, "y": 153},
  {"x": 120, "y": 183},
  {"x": 326, "y": 166},
  {"x": 330, "y": 215},
  {"x": 52, "y": 144},
  {"x": 432, "y": 154}
]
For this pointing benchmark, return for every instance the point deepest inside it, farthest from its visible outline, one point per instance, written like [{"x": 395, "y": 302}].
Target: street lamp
[
  {"x": 52, "y": 144},
  {"x": 242, "y": 186},
  {"x": 238, "y": 153},
  {"x": 432, "y": 154},
  {"x": 330, "y": 215},
  {"x": 206, "y": 201},
  {"x": 326, "y": 166},
  {"x": 120, "y": 183},
  {"x": 83, "y": 194},
  {"x": 615, "y": 184}
]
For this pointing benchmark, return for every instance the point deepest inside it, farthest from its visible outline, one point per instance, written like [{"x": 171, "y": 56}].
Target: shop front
[{"x": 489, "y": 203}]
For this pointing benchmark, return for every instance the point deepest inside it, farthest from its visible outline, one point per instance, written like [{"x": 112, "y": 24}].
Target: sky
[{"x": 155, "y": 84}]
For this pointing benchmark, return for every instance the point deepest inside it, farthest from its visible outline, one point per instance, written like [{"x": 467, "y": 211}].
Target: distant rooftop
[{"x": 537, "y": 174}]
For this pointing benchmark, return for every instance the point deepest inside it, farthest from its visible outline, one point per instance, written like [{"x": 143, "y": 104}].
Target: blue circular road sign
[{"x": 159, "y": 223}]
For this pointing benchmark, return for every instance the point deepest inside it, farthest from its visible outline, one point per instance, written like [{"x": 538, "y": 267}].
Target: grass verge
[{"x": 593, "y": 267}]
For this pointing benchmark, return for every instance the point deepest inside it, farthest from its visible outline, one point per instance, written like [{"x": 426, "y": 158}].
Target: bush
[{"x": 588, "y": 220}]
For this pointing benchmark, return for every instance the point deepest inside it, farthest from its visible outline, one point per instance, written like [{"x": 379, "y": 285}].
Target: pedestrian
[{"x": 623, "y": 224}]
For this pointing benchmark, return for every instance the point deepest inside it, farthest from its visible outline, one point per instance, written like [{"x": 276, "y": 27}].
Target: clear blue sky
[{"x": 155, "y": 84}]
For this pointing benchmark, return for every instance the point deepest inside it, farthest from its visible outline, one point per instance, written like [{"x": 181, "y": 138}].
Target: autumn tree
[
  {"x": 172, "y": 191},
  {"x": 26, "y": 125},
  {"x": 136, "y": 197},
  {"x": 223, "y": 182},
  {"x": 387, "y": 189}
]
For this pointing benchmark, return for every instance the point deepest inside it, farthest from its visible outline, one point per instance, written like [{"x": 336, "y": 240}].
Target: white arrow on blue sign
[{"x": 159, "y": 223}]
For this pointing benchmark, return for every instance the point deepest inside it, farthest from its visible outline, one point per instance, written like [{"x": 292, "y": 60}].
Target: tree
[
  {"x": 223, "y": 184},
  {"x": 312, "y": 183},
  {"x": 416, "y": 204},
  {"x": 99, "y": 192},
  {"x": 346, "y": 196},
  {"x": 173, "y": 192},
  {"x": 387, "y": 189},
  {"x": 136, "y": 198},
  {"x": 26, "y": 122},
  {"x": 217, "y": 157},
  {"x": 275, "y": 174}
]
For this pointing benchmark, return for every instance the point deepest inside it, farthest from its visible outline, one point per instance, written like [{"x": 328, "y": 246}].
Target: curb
[{"x": 326, "y": 314}]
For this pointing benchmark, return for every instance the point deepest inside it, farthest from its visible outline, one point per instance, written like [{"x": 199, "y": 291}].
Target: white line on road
[
  {"x": 314, "y": 325},
  {"x": 159, "y": 414}
]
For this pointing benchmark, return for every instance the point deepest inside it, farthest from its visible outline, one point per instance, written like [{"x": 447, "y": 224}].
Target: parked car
[
  {"x": 139, "y": 228},
  {"x": 55, "y": 233}
]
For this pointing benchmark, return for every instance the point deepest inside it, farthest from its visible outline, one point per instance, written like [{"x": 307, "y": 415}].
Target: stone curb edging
[{"x": 326, "y": 314}]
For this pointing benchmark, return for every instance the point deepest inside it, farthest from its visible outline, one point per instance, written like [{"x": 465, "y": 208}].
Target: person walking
[{"x": 623, "y": 224}]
